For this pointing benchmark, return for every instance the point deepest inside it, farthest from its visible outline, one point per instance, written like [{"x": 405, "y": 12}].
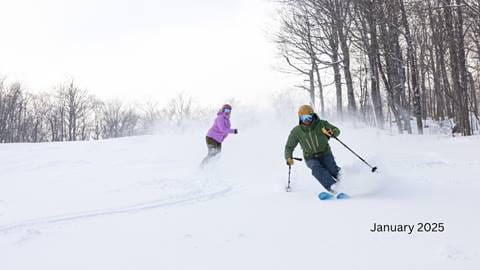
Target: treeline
[
  {"x": 392, "y": 60},
  {"x": 70, "y": 113}
]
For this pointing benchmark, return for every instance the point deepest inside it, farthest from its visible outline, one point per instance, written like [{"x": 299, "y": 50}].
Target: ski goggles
[
  {"x": 306, "y": 117},
  {"x": 227, "y": 110}
]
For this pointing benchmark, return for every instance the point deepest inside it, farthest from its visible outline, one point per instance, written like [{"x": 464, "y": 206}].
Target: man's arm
[
  {"x": 292, "y": 142},
  {"x": 336, "y": 131}
]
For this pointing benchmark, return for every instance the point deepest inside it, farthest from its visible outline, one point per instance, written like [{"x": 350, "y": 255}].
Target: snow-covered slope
[{"x": 142, "y": 203}]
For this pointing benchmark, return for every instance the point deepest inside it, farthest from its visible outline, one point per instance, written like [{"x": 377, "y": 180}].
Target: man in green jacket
[{"x": 313, "y": 134}]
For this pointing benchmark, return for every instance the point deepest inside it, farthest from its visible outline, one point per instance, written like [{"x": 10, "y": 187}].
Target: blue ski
[{"x": 325, "y": 196}]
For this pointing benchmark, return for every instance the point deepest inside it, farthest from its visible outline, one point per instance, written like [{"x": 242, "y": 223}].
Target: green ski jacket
[{"x": 311, "y": 139}]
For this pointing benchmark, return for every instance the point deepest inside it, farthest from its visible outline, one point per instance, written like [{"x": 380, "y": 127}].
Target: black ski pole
[
  {"x": 287, "y": 189},
  {"x": 289, "y": 172},
  {"x": 374, "y": 168}
]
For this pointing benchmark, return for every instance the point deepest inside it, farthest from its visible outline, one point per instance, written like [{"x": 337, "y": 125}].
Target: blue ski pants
[{"x": 324, "y": 169}]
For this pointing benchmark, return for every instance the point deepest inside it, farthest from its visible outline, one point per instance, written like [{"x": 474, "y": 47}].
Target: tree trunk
[
  {"x": 454, "y": 70},
  {"x": 435, "y": 66},
  {"x": 417, "y": 105},
  {"x": 373, "y": 51},
  {"x": 463, "y": 71},
  {"x": 320, "y": 90},
  {"x": 311, "y": 88},
  {"x": 333, "y": 40},
  {"x": 340, "y": 25}
]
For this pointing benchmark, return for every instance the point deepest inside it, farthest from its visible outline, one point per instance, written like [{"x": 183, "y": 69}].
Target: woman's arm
[{"x": 223, "y": 125}]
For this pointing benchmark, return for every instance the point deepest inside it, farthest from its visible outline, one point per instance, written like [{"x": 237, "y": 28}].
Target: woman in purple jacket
[{"x": 218, "y": 132}]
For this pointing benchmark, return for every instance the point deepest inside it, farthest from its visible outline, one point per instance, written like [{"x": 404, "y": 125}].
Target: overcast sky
[{"x": 143, "y": 49}]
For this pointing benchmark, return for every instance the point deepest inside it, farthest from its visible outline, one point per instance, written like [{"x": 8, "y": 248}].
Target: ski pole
[
  {"x": 374, "y": 168},
  {"x": 288, "y": 185},
  {"x": 289, "y": 172}
]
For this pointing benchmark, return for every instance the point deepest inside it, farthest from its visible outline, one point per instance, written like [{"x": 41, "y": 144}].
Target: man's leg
[
  {"x": 321, "y": 173},
  {"x": 328, "y": 161}
]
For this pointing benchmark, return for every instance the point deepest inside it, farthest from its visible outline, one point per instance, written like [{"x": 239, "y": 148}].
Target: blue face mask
[
  {"x": 306, "y": 117},
  {"x": 227, "y": 110}
]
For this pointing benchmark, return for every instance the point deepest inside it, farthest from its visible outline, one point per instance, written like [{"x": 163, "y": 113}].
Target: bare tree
[
  {"x": 180, "y": 108},
  {"x": 77, "y": 108},
  {"x": 151, "y": 116},
  {"x": 421, "y": 56},
  {"x": 118, "y": 120},
  {"x": 296, "y": 41}
]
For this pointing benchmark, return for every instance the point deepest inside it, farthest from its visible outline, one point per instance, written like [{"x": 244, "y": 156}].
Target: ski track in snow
[
  {"x": 62, "y": 214},
  {"x": 189, "y": 198}
]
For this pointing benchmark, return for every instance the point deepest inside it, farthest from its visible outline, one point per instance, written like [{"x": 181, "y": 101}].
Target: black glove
[{"x": 235, "y": 131}]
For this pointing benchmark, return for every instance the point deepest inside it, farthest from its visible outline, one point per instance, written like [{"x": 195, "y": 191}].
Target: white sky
[{"x": 143, "y": 49}]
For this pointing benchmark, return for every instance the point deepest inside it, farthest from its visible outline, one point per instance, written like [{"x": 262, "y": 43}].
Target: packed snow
[{"x": 143, "y": 203}]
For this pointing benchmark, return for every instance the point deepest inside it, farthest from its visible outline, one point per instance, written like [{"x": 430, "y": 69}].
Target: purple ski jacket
[{"x": 221, "y": 127}]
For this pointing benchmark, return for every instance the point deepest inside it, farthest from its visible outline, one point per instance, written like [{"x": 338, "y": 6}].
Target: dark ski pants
[
  {"x": 214, "y": 148},
  {"x": 324, "y": 169}
]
